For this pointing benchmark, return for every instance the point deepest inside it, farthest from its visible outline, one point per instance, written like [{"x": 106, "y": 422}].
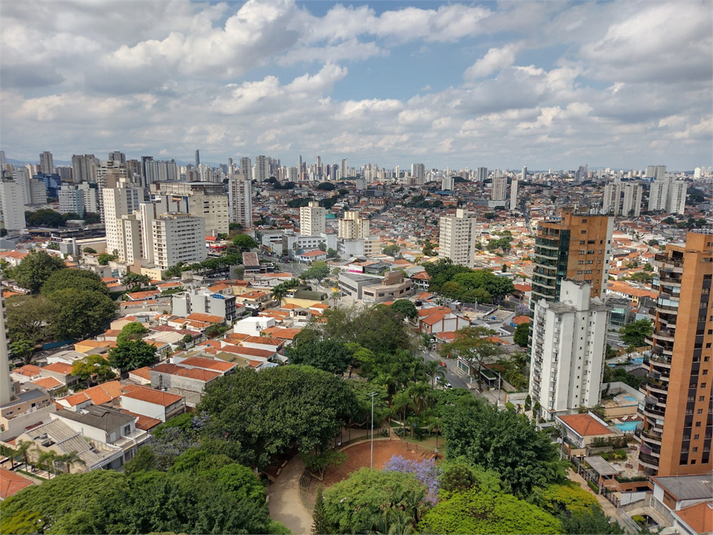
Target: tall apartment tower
[
  {"x": 246, "y": 168},
  {"x": 418, "y": 171},
  {"x": 678, "y": 410},
  {"x": 345, "y": 168},
  {"x": 353, "y": 227},
  {"x": 676, "y": 200},
  {"x": 657, "y": 172},
  {"x": 178, "y": 238},
  {"x": 632, "y": 200},
  {"x": 118, "y": 202},
  {"x": 198, "y": 158},
  {"x": 71, "y": 200},
  {"x": 513, "y": 191},
  {"x": 241, "y": 203},
  {"x": 482, "y": 174},
  {"x": 262, "y": 168},
  {"x": 500, "y": 185},
  {"x": 611, "y": 200},
  {"x": 46, "y": 163},
  {"x": 117, "y": 156},
  {"x": 6, "y": 390},
  {"x": 12, "y": 205},
  {"x": 567, "y": 350},
  {"x": 456, "y": 239},
  {"x": 312, "y": 219},
  {"x": 575, "y": 247}
]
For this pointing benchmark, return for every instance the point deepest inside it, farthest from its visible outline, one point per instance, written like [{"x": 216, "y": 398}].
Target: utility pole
[{"x": 371, "y": 463}]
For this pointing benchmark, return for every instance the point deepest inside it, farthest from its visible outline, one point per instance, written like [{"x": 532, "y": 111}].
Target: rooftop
[
  {"x": 104, "y": 418},
  {"x": 584, "y": 425},
  {"x": 694, "y": 487}
]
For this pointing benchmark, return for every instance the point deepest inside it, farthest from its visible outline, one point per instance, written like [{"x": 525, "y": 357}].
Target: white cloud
[{"x": 494, "y": 60}]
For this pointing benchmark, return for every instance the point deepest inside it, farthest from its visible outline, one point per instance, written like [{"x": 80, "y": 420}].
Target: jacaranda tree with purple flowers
[{"x": 426, "y": 471}]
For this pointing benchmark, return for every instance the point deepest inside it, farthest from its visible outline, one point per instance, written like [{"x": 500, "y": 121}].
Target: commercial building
[
  {"x": 240, "y": 201},
  {"x": 567, "y": 350},
  {"x": 678, "y": 411},
  {"x": 312, "y": 219},
  {"x": 353, "y": 227},
  {"x": 178, "y": 238},
  {"x": 575, "y": 247},
  {"x": 457, "y": 238}
]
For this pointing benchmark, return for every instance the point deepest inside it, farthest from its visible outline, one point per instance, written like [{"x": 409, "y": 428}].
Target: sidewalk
[
  {"x": 606, "y": 505},
  {"x": 285, "y": 503}
]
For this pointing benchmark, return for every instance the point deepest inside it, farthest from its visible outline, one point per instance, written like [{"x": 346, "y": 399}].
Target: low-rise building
[{"x": 152, "y": 403}]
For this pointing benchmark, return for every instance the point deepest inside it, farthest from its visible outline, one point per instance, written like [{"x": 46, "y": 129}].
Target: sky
[{"x": 552, "y": 84}]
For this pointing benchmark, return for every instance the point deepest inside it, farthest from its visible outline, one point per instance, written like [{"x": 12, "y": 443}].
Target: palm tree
[
  {"x": 23, "y": 450},
  {"x": 421, "y": 394},
  {"x": 10, "y": 453},
  {"x": 401, "y": 403},
  {"x": 47, "y": 460},
  {"x": 435, "y": 371},
  {"x": 68, "y": 460},
  {"x": 435, "y": 422},
  {"x": 278, "y": 293},
  {"x": 412, "y": 503}
]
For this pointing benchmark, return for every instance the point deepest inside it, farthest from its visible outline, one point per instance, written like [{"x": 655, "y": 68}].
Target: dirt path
[{"x": 285, "y": 504}]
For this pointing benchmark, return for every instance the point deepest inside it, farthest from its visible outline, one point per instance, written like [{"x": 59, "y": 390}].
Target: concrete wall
[{"x": 142, "y": 407}]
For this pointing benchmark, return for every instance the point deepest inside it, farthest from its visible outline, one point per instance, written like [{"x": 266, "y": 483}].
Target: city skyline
[{"x": 548, "y": 85}]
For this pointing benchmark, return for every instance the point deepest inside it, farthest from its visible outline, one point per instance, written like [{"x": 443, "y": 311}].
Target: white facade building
[
  {"x": 353, "y": 227},
  {"x": 611, "y": 200},
  {"x": 568, "y": 350},
  {"x": 500, "y": 184},
  {"x": 447, "y": 183},
  {"x": 513, "y": 192},
  {"x": 632, "y": 200},
  {"x": 46, "y": 163},
  {"x": 240, "y": 199},
  {"x": 119, "y": 202},
  {"x": 178, "y": 238},
  {"x": 262, "y": 168},
  {"x": 676, "y": 201},
  {"x": 418, "y": 171},
  {"x": 71, "y": 200},
  {"x": 457, "y": 238},
  {"x": 12, "y": 205},
  {"x": 313, "y": 219}
]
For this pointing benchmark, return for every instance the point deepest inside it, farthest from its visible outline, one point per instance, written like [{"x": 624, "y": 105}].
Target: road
[{"x": 452, "y": 376}]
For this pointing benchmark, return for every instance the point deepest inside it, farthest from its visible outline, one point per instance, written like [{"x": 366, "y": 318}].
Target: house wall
[{"x": 144, "y": 408}]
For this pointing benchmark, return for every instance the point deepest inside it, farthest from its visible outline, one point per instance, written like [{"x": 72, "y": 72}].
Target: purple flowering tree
[{"x": 426, "y": 471}]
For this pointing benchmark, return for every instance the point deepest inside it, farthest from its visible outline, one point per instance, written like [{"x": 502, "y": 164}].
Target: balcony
[
  {"x": 648, "y": 461},
  {"x": 665, "y": 259},
  {"x": 664, "y": 334},
  {"x": 653, "y": 411},
  {"x": 652, "y": 437}
]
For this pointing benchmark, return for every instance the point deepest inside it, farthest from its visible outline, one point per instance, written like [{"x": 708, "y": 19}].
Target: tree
[
  {"x": 22, "y": 349},
  {"x": 332, "y": 253},
  {"x": 522, "y": 332},
  {"x": 326, "y": 186},
  {"x": 130, "y": 354},
  {"x": 34, "y": 270},
  {"x": 636, "y": 332},
  {"x": 44, "y": 218},
  {"x": 75, "y": 279},
  {"x": 244, "y": 242},
  {"x": 357, "y": 504},
  {"x": 318, "y": 270},
  {"x": 93, "y": 367},
  {"x": 503, "y": 441},
  {"x": 290, "y": 407},
  {"x": 68, "y": 460},
  {"x": 322, "y": 247},
  {"x": 590, "y": 521},
  {"x": 89, "y": 250},
  {"x": 82, "y": 313},
  {"x": 475, "y": 345},
  {"x": 434, "y": 370},
  {"x": 30, "y": 318},
  {"x": 406, "y": 308},
  {"x": 391, "y": 250},
  {"x": 132, "y": 331},
  {"x": 328, "y": 355},
  {"x": 320, "y": 526},
  {"x": 105, "y": 258},
  {"x": 473, "y": 511},
  {"x": 135, "y": 280}
]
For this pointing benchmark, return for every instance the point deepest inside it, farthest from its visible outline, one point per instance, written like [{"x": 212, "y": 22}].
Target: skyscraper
[
  {"x": 262, "y": 169},
  {"x": 353, "y": 227},
  {"x": 312, "y": 219},
  {"x": 632, "y": 200},
  {"x": 575, "y": 247},
  {"x": 246, "y": 168},
  {"x": 611, "y": 201},
  {"x": 676, "y": 199},
  {"x": 117, "y": 156},
  {"x": 46, "y": 163},
  {"x": 344, "y": 168},
  {"x": 198, "y": 158},
  {"x": 118, "y": 201},
  {"x": 482, "y": 174},
  {"x": 678, "y": 411},
  {"x": 499, "y": 188},
  {"x": 567, "y": 350},
  {"x": 418, "y": 171},
  {"x": 456, "y": 238},
  {"x": 513, "y": 191},
  {"x": 12, "y": 205}
]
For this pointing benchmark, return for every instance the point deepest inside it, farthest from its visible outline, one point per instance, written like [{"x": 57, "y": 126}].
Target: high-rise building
[
  {"x": 678, "y": 410},
  {"x": 6, "y": 390},
  {"x": 567, "y": 350},
  {"x": 12, "y": 205},
  {"x": 89, "y": 197},
  {"x": 447, "y": 183},
  {"x": 178, "y": 238},
  {"x": 500, "y": 184},
  {"x": 312, "y": 219},
  {"x": 205, "y": 200},
  {"x": 71, "y": 200},
  {"x": 46, "y": 163},
  {"x": 246, "y": 168},
  {"x": 262, "y": 168},
  {"x": 344, "y": 168},
  {"x": 353, "y": 227},
  {"x": 456, "y": 239},
  {"x": 611, "y": 200},
  {"x": 240, "y": 198},
  {"x": 657, "y": 172},
  {"x": 658, "y": 194},
  {"x": 117, "y": 202},
  {"x": 2, "y": 159},
  {"x": 576, "y": 247},
  {"x": 198, "y": 158},
  {"x": 676, "y": 199},
  {"x": 418, "y": 171},
  {"x": 632, "y": 200},
  {"x": 513, "y": 191},
  {"x": 117, "y": 156},
  {"x": 109, "y": 175},
  {"x": 523, "y": 175},
  {"x": 482, "y": 174},
  {"x": 22, "y": 176}
]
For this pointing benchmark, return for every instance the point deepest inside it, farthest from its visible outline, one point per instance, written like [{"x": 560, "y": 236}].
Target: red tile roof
[
  {"x": 48, "y": 382},
  {"x": 149, "y": 395},
  {"x": 584, "y": 425},
  {"x": 59, "y": 367},
  {"x": 209, "y": 364},
  {"x": 191, "y": 373},
  {"x": 11, "y": 483}
]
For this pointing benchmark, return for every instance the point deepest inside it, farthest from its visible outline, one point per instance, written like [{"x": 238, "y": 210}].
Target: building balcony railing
[
  {"x": 653, "y": 411},
  {"x": 649, "y": 461},
  {"x": 665, "y": 259},
  {"x": 664, "y": 334},
  {"x": 649, "y": 436}
]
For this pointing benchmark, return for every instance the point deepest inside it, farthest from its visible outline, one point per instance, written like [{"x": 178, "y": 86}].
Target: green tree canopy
[
  {"x": 244, "y": 242},
  {"x": 94, "y": 367},
  {"x": 35, "y": 269},
  {"x": 105, "y": 258},
  {"x": 44, "y": 218},
  {"x": 131, "y": 354},
  {"x": 30, "y": 318},
  {"x": 505, "y": 442},
  {"x": 636, "y": 332},
  {"x": 522, "y": 333},
  {"x": 590, "y": 521},
  {"x": 132, "y": 331},
  {"x": 329, "y": 355},
  {"x": 75, "y": 279},
  {"x": 391, "y": 250},
  {"x": 406, "y": 308},
  {"x": 357, "y": 504},
  {"x": 133, "y": 280},
  {"x": 83, "y": 313},
  {"x": 267, "y": 413},
  {"x": 318, "y": 270},
  {"x": 475, "y": 345},
  {"x": 472, "y": 511}
]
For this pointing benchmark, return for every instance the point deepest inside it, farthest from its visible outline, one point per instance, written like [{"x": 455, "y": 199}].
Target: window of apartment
[
  {"x": 588, "y": 271},
  {"x": 699, "y": 411},
  {"x": 583, "y": 232},
  {"x": 698, "y": 424},
  {"x": 696, "y": 437},
  {"x": 580, "y": 262},
  {"x": 701, "y": 398},
  {"x": 127, "y": 429},
  {"x": 705, "y": 371},
  {"x": 703, "y": 385}
]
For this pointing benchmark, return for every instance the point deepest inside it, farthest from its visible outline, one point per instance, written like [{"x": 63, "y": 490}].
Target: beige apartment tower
[{"x": 456, "y": 238}]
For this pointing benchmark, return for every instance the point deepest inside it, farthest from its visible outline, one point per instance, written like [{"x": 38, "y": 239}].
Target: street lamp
[{"x": 372, "y": 394}]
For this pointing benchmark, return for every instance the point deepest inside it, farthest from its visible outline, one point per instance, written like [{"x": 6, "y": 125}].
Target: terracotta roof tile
[
  {"x": 584, "y": 425},
  {"x": 11, "y": 483},
  {"x": 149, "y": 395}
]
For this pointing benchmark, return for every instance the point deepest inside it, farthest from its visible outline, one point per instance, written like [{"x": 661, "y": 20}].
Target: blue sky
[{"x": 550, "y": 84}]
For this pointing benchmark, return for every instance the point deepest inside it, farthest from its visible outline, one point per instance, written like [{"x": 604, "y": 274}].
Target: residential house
[{"x": 152, "y": 403}]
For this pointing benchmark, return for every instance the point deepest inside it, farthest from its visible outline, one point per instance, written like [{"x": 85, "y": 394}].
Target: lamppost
[{"x": 372, "y": 394}]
